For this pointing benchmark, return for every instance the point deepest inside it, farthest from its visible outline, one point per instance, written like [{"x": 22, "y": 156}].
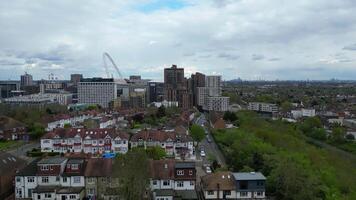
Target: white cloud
[{"x": 213, "y": 36}]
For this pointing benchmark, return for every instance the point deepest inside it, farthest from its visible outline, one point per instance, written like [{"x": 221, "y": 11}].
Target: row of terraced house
[{"x": 176, "y": 142}]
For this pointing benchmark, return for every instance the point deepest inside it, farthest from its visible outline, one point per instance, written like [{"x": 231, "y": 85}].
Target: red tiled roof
[
  {"x": 92, "y": 133},
  {"x": 98, "y": 167},
  {"x": 162, "y": 169},
  {"x": 154, "y": 135}
]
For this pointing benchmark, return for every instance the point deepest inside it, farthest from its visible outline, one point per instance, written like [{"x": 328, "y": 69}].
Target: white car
[
  {"x": 208, "y": 170},
  {"x": 202, "y": 153}
]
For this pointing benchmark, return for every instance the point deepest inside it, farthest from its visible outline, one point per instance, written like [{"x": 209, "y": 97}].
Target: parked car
[
  {"x": 208, "y": 170},
  {"x": 202, "y": 153},
  {"x": 209, "y": 140}
]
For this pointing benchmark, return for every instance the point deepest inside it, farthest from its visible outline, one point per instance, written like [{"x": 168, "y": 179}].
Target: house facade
[
  {"x": 63, "y": 120},
  {"x": 174, "y": 144},
  {"x": 51, "y": 179},
  {"x": 170, "y": 179},
  {"x": 227, "y": 185},
  {"x": 94, "y": 141}
]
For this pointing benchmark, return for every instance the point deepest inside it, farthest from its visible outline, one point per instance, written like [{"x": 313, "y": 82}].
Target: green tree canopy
[
  {"x": 197, "y": 132},
  {"x": 156, "y": 153}
]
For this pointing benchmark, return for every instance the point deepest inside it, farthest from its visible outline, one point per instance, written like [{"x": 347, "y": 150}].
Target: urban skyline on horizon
[{"x": 301, "y": 40}]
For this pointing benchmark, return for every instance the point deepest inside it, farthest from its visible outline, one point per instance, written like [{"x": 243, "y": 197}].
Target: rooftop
[
  {"x": 184, "y": 165},
  {"x": 55, "y": 160},
  {"x": 245, "y": 176}
]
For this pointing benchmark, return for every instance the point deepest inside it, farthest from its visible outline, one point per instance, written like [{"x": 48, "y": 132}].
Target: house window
[
  {"x": 64, "y": 179},
  {"x": 75, "y": 166},
  {"x": 72, "y": 197},
  {"x": 154, "y": 182},
  {"x": 243, "y": 194},
  {"x": 259, "y": 193},
  {"x": 48, "y": 195},
  {"x": 210, "y": 192},
  {"x": 166, "y": 183},
  {"x": 91, "y": 180},
  {"x": 76, "y": 179},
  {"x": 58, "y": 178},
  {"x": 180, "y": 172},
  {"x": 243, "y": 185},
  {"x": 190, "y": 172},
  {"x": 30, "y": 179},
  {"x": 91, "y": 191},
  {"x": 45, "y": 179},
  {"x": 18, "y": 179},
  {"x": 227, "y": 192},
  {"x": 191, "y": 183},
  {"x": 260, "y": 183},
  {"x": 180, "y": 184},
  {"x": 19, "y": 192},
  {"x": 44, "y": 167}
]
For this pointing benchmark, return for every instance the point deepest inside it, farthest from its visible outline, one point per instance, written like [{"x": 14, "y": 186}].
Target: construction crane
[{"x": 107, "y": 56}]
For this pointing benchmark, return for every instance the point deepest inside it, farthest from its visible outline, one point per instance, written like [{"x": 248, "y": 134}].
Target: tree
[
  {"x": 133, "y": 174},
  {"x": 338, "y": 134},
  {"x": 197, "y": 132},
  {"x": 155, "y": 153},
  {"x": 36, "y": 130},
  {"x": 161, "y": 112},
  {"x": 286, "y": 106},
  {"x": 67, "y": 125},
  {"x": 350, "y": 137},
  {"x": 230, "y": 116}
]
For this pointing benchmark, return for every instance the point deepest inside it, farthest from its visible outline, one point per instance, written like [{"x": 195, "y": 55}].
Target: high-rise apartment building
[
  {"x": 209, "y": 97},
  {"x": 176, "y": 87},
  {"x": 196, "y": 80},
  {"x": 100, "y": 91},
  {"x": 75, "y": 78},
  {"x": 155, "y": 92},
  {"x": 26, "y": 80}
]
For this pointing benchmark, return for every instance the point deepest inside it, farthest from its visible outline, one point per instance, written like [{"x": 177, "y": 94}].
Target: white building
[
  {"x": 209, "y": 97},
  {"x": 217, "y": 103},
  {"x": 62, "y": 120},
  {"x": 101, "y": 91},
  {"x": 296, "y": 114},
  {"x": 263, "y": 107},
  {"x": 94, "y": 141}
]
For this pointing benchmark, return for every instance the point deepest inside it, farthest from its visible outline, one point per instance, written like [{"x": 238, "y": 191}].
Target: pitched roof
[
  {"x": 245, "y": 176},
  {"x": 219, "y": 180},
  {"x": 94, "y": 133},
  {"x": 98, "y": 167},
  {"x": 29, "y": 170},
  {"x": 154, "y": 135},
  {"x": 54, "y": 160},
  {"x": 162, "y": 169},
  {"x": 10, "y": 163},
  {"x": 184, "y": 165}
]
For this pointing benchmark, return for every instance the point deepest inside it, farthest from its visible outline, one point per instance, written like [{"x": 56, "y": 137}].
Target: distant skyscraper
[
  {"x": 197, "y": 80},
  {"x": 175, "y": 86},
  {"x": 75, "y": 78},
  {"x": 155, "y": 92},
  {"x": 26, "y": 80}
]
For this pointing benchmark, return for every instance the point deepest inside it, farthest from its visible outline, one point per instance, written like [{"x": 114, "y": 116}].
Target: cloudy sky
[{"x": 251, "y": 39}]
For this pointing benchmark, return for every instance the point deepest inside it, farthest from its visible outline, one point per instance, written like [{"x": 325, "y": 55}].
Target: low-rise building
[
  {"x": 11, "y": 129},
  {"x": 175, "y": 144},
  {"x": 263, "y": 107},
  {"x": 62, "y": 120},
  {"x": 50, "y": 179},
  {"x": 94, "y": 141},
  {"x": 227, "y": 185},
  {"x": 170, "y": 179}
]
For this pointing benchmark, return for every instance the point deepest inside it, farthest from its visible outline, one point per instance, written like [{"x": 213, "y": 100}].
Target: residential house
[
  {"x": 51, "y": 179},
  {"x": 180, "y": 145},
  {"x": 9, "y": 164},
  {"x": 250, "y": 185},
  {"x": 170, "y": 179},
  {"x": 60, "y": 120},
  {"x": 220, "y": 185},
  {"x": 99, "y": 182},
  {"x": 94, "y": 141},
  {"x": 11, "y": 129}
]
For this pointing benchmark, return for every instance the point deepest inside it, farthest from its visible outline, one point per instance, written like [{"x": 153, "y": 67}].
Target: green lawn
[{"x": 4, "y": 145}]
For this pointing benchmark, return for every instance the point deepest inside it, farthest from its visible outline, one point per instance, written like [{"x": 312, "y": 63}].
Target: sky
[{"x": 251, "y": 39}]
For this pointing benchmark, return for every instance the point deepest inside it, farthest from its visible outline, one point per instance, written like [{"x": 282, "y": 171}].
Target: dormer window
[
  {"x": 180, "y": 172},
  {"x": 75, "y": 166},
  {"x": 190, "y": 172},
  {"x": 44, "y": 167}
]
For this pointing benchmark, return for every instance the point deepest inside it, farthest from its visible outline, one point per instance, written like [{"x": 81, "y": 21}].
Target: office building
[
  {"x": 26, "y": 80},
  {"x": 75, "y": 78},
  {"x": 100, "y": 91},
  {"x": 7, "y": 88},
  {"x": 155, "y": 92}
]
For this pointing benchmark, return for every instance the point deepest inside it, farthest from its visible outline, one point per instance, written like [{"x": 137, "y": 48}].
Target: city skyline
[{"x": 249, "y": 39}]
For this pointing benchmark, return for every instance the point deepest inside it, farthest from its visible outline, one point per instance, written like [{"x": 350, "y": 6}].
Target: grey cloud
[
  {"x": 274, "y": 59},
  {"x": 351, "y": 47},
  {"x": 256, "y": 57},
  {"x": 228, "y": 56}
]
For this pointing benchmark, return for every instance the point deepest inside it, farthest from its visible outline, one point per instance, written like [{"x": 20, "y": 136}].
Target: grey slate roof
[
  {"x": 75, "y": 161},
  {"x": 184, "y": 165},
  {"x": 29, "y": 170},
  {"x": 248, "y": 176},
  {"x": 55, "y": 160}
]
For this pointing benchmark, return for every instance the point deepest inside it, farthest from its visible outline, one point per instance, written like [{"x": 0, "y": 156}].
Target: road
[
  {"x": 21, "y": 151},
  {"x": 211, "y": 149}
]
